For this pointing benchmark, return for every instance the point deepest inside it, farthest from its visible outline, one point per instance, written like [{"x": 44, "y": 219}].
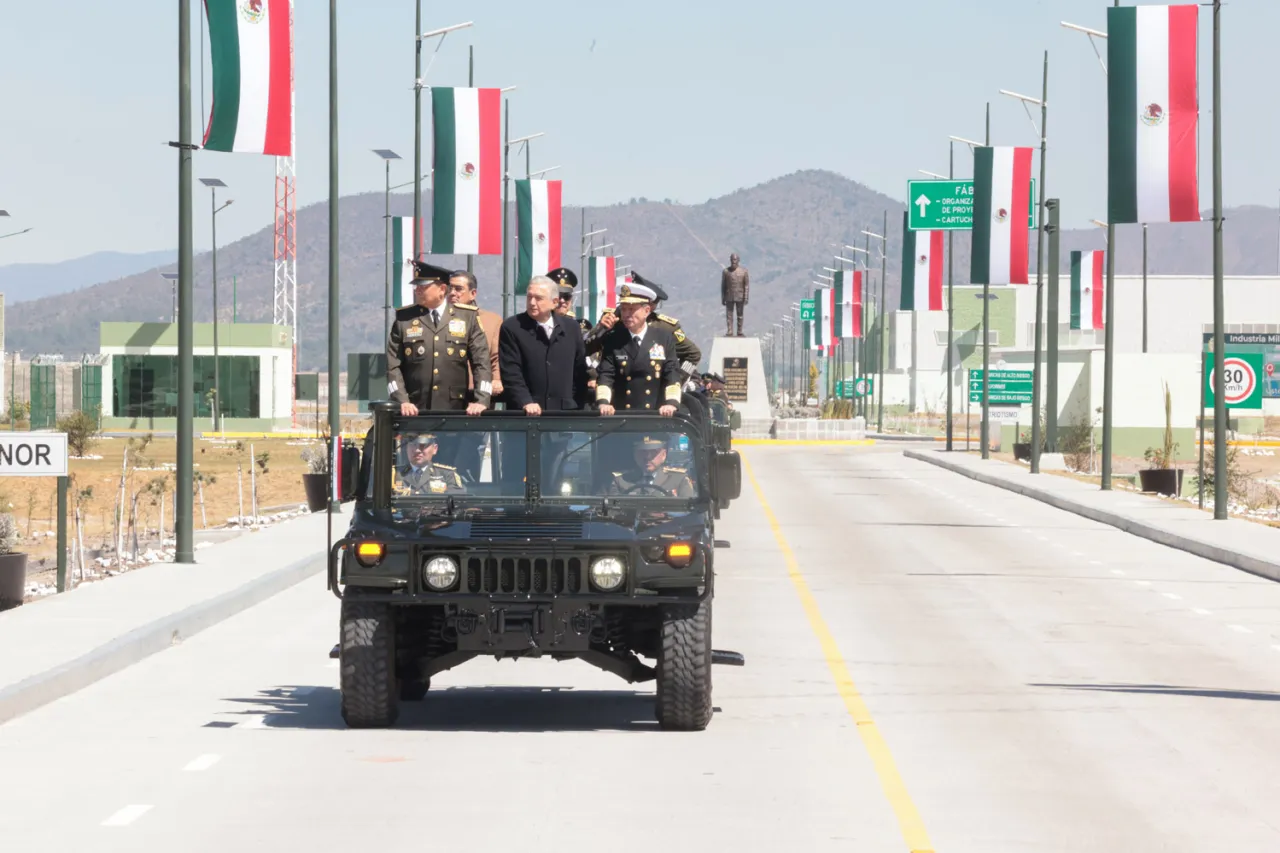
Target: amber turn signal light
[
  {"x": 369, "y": 553},
  {"x": 679, "y": 554}
]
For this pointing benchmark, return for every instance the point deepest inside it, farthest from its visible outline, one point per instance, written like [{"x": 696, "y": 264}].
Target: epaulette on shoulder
[
  {"x": 617, "y": 473},
  {"x": 675, "y": 470},
  {"x": 672, "y": 320},
  {"x": 445, "y": 467},
  {"x": 408, "y": 312},
  {"x": 468, "y": 306}
]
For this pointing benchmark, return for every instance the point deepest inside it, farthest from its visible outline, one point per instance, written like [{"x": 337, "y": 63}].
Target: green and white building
[{"x": 140, "y": 375}]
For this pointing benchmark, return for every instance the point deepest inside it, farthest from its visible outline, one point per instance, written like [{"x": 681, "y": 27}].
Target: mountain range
[{"x": 785, "y": 230}]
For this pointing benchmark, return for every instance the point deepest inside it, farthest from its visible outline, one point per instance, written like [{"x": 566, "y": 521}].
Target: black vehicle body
[{"x": 526, "y": 559}]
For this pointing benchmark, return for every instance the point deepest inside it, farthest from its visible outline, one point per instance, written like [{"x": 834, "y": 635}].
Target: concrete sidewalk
[
  {"x": 1255, "y": 548},
  {"x": 57, "y": 645}
]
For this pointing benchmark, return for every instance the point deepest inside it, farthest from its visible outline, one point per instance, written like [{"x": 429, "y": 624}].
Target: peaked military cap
[
  {"x": 635, "y": 293},
  {"x": 425, "y": 273}
]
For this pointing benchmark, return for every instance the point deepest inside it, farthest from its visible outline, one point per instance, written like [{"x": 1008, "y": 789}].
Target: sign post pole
[{"x": 63, "y": 482}]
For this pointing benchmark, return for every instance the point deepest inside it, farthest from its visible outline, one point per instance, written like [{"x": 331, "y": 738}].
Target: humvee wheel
[
  {"x": 367, "y": 664},
  {"x": 684, "y": 668}
]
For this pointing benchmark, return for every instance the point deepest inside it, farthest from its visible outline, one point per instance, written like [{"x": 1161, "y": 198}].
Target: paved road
[{"x": 932, "y": 664}]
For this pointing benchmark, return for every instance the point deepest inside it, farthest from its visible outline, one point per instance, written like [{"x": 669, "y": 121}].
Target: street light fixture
[
  {"x": 968, "y": 142},
  {"x": 387, "y": 156},
  {"x": 543, "y": 171},
  {"x": 929, "y": 174},
  {"x": 213, "y": 184},
  {"x": 1092, "y": 34},
  {"x": 172, "y": 278}
]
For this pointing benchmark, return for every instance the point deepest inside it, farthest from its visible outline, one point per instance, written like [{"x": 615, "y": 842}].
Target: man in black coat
[{"x": 541, "y": 354}]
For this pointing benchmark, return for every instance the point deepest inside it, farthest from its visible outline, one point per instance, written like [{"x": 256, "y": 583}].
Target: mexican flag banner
[
  {"x": 921, "y": 269},
  {"x": 402, "y": 258},
  {"x": 602, "y": 287},
  {"x": 251, "y": 55},
  {"x": 1152, "y": 114},
  {"x": 1087, "y": 290},
  {"x": 467, "y": 177},
  {"x": 538, "y": 227},
  {"x": 1001, "y": 215},
  {"x": 824, "y": 300},
  {"x": 848, "y": 289}
]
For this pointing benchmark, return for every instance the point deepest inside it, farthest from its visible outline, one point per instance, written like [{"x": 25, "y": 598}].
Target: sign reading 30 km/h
[
  {"x": 948, "y": 205},
  {"x": 1242, "y": 380}
]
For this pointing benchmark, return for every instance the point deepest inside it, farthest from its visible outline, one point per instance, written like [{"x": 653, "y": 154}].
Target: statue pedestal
[{"x": 740, "y": 362}]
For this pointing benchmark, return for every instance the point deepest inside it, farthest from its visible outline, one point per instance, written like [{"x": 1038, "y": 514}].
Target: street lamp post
[
  {"x": 213, "y": 184},
  {"x": 417, "y": 116},
  {"x": 387, "y": 156},
  {"x": 884, "y": 259},
  {"x": 1042, "y": 101},
  {"x": 184, "y": 500}
]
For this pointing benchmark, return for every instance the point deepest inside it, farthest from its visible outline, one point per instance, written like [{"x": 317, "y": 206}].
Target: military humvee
[{"x": 567, "y": 536}]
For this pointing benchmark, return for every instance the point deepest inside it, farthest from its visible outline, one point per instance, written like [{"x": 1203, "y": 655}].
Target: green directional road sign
[
  {"x": 948, "y": 205},
  {"x": 1243, "y": 374},
  {"x": 1008, "y": 387},
  {"x": 808, "y": 309}
]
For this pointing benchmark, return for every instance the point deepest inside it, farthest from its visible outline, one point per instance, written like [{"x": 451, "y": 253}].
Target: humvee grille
[
  {"x": 504, "y": 528},
  {"x": 536, "y": 575}
]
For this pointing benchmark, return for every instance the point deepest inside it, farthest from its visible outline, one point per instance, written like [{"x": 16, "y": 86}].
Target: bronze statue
[{"x": 735, "y": 288}]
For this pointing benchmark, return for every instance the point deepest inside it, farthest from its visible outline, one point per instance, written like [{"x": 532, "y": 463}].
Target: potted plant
[
  {"x": 1162, "y": 478},
  {"x": 13, "y": 565},
  {"x": 316, "y": 480}
]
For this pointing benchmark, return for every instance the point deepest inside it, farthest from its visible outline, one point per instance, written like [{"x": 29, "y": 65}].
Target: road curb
[
  {"x": 141, "y": 643},
  {"x": 1236, "y": 559}
]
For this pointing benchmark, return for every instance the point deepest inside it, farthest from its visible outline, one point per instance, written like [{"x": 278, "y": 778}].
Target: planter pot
[
  {"x": 13, "y": 580},
  {"x": 1163, "y": 481},
  {"x": 1022, "y": 450},
  {"x": 317, "y": 487}
]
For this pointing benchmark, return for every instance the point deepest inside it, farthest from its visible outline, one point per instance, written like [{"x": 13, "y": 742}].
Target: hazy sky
[{"x": 687, "y": 100}]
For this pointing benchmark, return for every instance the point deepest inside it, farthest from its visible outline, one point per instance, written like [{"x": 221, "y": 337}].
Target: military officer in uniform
[
  {"x": 429, "y": 347},
  {"x": 567, "y": 281},
  {"x": 638, "y": 368},
  {"x": 649, "y": 474},
  {"x": 687, "y": 352},
  {"x": 422, "y": 475}
]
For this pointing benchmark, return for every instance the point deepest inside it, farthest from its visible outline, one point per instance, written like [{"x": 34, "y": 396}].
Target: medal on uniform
[
  {"x": 437, "y": 485},
  {"x": 657, "y": 352},
  {"x": 458, "y": 327},
  {"x": 408, "y": 350},
  {"x": 449, "y": 350},
  {"x": 421, "y": 349}
]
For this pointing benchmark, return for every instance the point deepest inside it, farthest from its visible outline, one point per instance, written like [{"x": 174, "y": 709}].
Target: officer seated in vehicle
[
  {"x": 649, "y": 476},
  {"x": 420, "y": 475}
]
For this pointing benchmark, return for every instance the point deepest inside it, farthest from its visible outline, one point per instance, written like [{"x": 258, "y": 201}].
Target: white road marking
[
  {"x": 1143, "y": 583},
  {"x": 1240, "y": 629},
  {"x": 1095, "y": 562},
  {"x": 1076, "y": 554},
  {"x": 303, "y": 691},
  {"x": 1117, "y": 571},
  {"x": 126, "y": 815},
  {"x": 253, "y": 721},
  {"x": 1201, "y": 611},
  {"x": 203, "y": 762},
  {"x": 1172, "y": 595}
]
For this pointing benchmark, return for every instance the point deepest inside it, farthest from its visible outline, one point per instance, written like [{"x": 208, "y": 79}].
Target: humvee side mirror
[
  {"x": 735, "y": 419},
  {"x": 728, "y": 475}
]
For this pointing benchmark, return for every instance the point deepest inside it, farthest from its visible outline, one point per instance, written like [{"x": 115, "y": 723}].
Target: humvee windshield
[{"x": 643, "y": 458}]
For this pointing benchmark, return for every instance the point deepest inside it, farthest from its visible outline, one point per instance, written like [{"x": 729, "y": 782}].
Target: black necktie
[{"x": 435, "y": 318}]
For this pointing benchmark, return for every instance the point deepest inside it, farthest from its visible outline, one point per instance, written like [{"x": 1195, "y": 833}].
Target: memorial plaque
[{"x": 735, "y": 379}]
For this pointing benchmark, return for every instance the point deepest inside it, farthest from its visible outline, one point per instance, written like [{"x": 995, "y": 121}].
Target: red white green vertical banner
[
  {"x": 538, "y": 223},
  {"x": 1001, "y": 213},
  {"x": 1152, "y": 114},
  {"x": 602, "y": 286},
  {"x": 251, "y": 57},
  {"x": 402, "y": 257},
  {"x": 921, "y": 269},
  {"x": 1088, "y": 285},
  {"x": 467, "y": 176},
  {"x": 848, "y": 288},
  {"x": 824, "y": 321}
]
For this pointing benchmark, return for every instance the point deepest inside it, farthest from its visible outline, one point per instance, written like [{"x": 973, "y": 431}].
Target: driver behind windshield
[
  {"x": 422, "y": 475},
  {"x": 649, "y": 474}
]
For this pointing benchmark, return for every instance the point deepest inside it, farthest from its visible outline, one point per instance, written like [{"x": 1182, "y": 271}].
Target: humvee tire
[
  {"x": 684, "y": 668},
  {"x": 367, "y": 664}
]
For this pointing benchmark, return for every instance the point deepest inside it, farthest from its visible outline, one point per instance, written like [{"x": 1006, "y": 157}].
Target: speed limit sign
[{"x": 1241, "y": 374}]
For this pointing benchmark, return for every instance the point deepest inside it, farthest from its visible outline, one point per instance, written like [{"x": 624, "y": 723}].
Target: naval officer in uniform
[
  {"x": 638, "y": 367},
  {"x": 429, "y": 347}
]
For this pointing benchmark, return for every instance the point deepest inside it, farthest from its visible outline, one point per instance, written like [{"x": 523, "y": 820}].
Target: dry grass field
[{"x": 226, "y": 471}]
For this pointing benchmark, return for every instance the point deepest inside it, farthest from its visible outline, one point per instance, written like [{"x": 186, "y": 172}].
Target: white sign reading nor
[{"x": 33, "y": 454}]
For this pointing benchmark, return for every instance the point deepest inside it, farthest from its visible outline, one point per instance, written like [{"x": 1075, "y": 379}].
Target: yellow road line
[
  {"x": 815, "y": 442},
  {"x": 895, "y": 789}
]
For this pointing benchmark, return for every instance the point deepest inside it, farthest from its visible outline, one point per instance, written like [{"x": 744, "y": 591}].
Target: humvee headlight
[
  {"x": 440, "y": 573},
  {"x": 607, "y": 573},
  {"x": 369, "y": 553}
]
